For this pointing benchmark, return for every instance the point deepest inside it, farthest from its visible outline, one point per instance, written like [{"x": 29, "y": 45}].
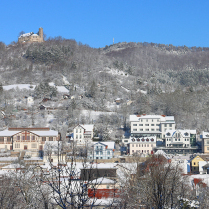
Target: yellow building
[
  {"x": 194, "y": 165},
  {"x": 32, "y": 139},
  {"x": 32, "y": 37}
]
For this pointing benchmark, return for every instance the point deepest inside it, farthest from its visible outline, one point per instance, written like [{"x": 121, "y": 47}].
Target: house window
[
  {"x": 165, "y": 125},
  {"x": 152, "y": 124},
  {"x": 132, "y": 145},
  {"x": 134, "y": 129},
  {"x": 80, "y": 130},
  {"x": 50, "y": 138},
  {"x": 148, "y": 145},
  {"x": 76, "y": 130},
  {"x": 146, "y": 124},
  {"x": 108, "y": 152},
  {"x": 146, "y": 120},
  {"x": 132, "y": 150},
  {"x": 43, "y": 138},
  {"x": 136, "y": 145},
  {"x": 170, "y": 125},
  {"x": 80, "y": 136},
  {"x": 33, "y": 137},
  {"x": 207, "y": 148},
  {"x": 147, "y": 129},
  {"x": 23, "y": 137},
  {"x": 17, "y": 145},
  {"x": 141, "y": 129},
  {"x": 107, "y": 186},
  {"x": 28, "y": 137},
  {"x": 101, "y": 153},
  {"x": 134, "y": 124},
  {"x": 97, "y": 152},
  {"x": 152, "y": 129},
  {"x": 140, "y": 124},
  {"x": 18, "y": 137}
]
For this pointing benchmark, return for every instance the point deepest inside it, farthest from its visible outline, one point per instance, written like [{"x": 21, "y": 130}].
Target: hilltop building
[{"x": 32, "y": 37}]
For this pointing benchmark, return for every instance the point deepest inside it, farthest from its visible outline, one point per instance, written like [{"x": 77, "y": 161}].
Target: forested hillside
[{"x": 156, "y": 78}]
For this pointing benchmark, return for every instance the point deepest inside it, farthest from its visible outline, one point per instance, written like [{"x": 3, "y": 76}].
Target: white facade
[
  {"x": 102, "y": 150},
  {"x": 83, "y": 134},
  {"x": 144, "y": 145},
  {"x": 151, "y": 125},
  {"x": 179, "y": 138},
  {"x": 205, "y": 142}
]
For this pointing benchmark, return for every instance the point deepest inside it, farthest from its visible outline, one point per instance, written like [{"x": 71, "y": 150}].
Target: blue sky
[{"x": 97, "y": 22}]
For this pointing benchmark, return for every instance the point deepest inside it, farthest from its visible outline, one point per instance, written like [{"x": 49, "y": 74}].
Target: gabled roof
[
  {"x": 182, "y": 132},
  {"x": 43, "y": 132},
  {"x": 86, "y": 127},
  {"x": 110, "y": 145},
  {"x": 203, "y": 157},
  {"x": 103, "y": 181}
]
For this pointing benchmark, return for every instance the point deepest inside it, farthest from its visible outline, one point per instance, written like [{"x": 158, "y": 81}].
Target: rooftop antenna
[{"x": 113, "y": 40}]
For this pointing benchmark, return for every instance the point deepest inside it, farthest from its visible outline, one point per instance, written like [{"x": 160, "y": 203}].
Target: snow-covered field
[
  {"x": 94, "y": 114},
  {"x": 60, "y": 89}
]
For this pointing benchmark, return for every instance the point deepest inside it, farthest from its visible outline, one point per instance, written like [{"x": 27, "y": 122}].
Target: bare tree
[{"x": 156, "y": 184}]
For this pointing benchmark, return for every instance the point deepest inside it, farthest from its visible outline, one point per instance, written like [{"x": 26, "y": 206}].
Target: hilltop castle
[{"x": 32, "y": 37}]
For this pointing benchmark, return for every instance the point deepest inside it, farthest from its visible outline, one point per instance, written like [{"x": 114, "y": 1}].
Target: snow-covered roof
[
  {"x": 205, "y": 134},
  {"x": 39, "y": 133},
  {"x": 26, "y": 34},
  {"x": 87, "y": 127},
  {"x": 8, "y": 159},
  {"x": 161, "y": 152},
  {"x": 182, "y": 132},
  {"x": 35, "y": 34},
  {"x": 46, "y": 133},
  {"x": 12, "y": 166},
  {"x": 161, "y": 117},
  {"x": 103, "y": 181},
  {"x": 8, "y": 133},
  {"x": 110, "y": 145}
]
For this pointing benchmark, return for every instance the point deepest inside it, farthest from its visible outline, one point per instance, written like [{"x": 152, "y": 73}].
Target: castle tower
[{"x": 40, "y": 33}]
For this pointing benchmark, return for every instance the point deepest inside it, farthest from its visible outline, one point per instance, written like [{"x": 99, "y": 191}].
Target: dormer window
[
  {"x": 186, "y": 134},
  {"x": 168, "y": 134}
]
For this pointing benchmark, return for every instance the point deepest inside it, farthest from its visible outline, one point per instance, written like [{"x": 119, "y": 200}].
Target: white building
[
  {"x": 180, "y": 142},
  {"x": 151, "y": 125},
  {"x": 83, "y": 134},
  {"x": 205, "y": 142},
  {"x": 144, "y": 145},
  {"x": 101, "y": 150},
  {"x": 180, "y": 138}
]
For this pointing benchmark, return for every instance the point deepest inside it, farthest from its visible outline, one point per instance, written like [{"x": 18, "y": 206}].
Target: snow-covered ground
[
  {"x": 20, "y": 86},
  {"x": 60, "y": 89},
  {"x": 94, "y": 114}
]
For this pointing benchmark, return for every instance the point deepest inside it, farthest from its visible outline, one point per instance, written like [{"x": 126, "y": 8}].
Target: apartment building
[
  {"x": 144, "y": 145},
  {"x": 151, "y": 125},
  {"x": 33, "y": 139}
]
